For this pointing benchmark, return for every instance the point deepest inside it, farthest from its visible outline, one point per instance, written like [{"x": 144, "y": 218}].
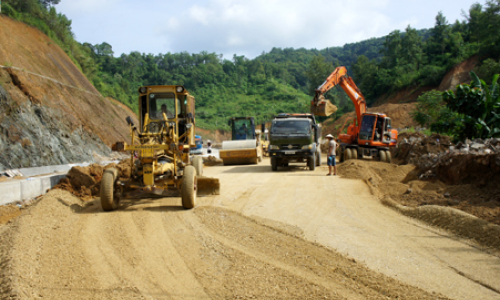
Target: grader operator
[
  {"x": 370, "y": 135},
  {"x": 162, "y": 143}
]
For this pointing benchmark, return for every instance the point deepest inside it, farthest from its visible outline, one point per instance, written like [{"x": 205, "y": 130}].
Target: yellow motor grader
[{"x": 161, "y": 163}]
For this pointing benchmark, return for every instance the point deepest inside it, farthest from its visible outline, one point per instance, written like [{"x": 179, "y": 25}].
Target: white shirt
[{"x": 331, "y": 147}]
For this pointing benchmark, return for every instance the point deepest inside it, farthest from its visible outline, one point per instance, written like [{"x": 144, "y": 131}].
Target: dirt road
[{"x": 291, "y": 234}]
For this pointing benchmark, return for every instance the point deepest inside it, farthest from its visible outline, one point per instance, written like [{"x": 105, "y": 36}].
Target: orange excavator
[{"x": 370, "y": 135}]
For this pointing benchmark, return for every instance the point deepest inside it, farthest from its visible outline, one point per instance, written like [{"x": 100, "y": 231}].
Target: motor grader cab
[
  {"x": 160, "y": 151},
  {"x": 370, "y": 135},
  {"x": 245, "y": 146}
]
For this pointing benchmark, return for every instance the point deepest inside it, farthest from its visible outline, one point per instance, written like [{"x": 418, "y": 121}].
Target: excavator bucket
[
  {"x": 323, "y": 107},
  {"x": 207, "y": 186}
]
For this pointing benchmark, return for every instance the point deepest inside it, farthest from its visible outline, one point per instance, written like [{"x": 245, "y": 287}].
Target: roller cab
[{"x": 245, "y": 146}]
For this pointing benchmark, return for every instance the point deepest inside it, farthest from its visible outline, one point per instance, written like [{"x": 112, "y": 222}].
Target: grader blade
[{"x": 207, "y": 186}]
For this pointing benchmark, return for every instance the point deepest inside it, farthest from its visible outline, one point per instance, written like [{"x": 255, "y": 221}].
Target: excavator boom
[{"x": 322, "y": 107}]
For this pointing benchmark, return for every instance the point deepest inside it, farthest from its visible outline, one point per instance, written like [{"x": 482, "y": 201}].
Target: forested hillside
[{"x": 281, "y": 80}]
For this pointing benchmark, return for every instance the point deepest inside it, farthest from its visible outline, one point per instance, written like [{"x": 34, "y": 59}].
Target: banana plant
[{"x": 478, "y": 106}]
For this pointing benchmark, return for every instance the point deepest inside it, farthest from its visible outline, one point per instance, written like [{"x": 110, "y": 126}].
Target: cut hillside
[
  {"x": 216, "y": 136},
  {"x": 49, "y": 112}
]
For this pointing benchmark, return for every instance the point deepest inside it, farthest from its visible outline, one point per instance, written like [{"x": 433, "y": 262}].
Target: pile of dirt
[
  {"x": 8, "y": 212},
  {"x": 403, "y": 187},
  {"x": 413, "y": 145},
  {"x": 470, "y": 162},
  {"x": 85, "y": 182}
]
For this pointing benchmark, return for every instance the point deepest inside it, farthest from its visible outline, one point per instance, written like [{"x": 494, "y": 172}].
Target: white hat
[{"x": 329, "y": 136}]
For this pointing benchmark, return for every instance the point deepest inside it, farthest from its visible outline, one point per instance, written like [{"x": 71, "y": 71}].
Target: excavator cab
[{"x": 376, "y": 130}]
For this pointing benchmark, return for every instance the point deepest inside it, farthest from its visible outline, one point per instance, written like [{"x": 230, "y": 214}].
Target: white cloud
[
  {"x": 245, "y": 27},
  {"x": 87, "y": 6},
  {"x": 250, "y": 27}
]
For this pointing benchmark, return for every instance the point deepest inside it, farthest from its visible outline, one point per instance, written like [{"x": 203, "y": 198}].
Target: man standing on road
[{"x": 332, "y": 148}]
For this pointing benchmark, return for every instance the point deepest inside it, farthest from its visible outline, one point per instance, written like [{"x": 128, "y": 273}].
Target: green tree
[
  {"x": 411, "y": 48},
  {"x": 317, "y": 71},
  {"x": 392, "y": 49},
  {"x": 430, "y": 106},
  {"x": 439, "y": 35},
  {"x": 478, "y": 106}
]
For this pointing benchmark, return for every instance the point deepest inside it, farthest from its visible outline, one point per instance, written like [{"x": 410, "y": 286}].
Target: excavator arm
[{"x": 322, "y": 107}]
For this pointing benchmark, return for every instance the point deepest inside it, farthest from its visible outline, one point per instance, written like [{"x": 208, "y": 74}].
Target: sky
[{"x": 247, "y": 27}]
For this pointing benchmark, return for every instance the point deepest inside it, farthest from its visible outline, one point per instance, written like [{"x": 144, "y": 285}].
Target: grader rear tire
[
  {"x": 188, "y": 189},
  {"x": 382, "y": 155},
  {"x": 198, "y": 165},
  {"x": 108, "y": 201},
  {"x": 318, "y": 159}
]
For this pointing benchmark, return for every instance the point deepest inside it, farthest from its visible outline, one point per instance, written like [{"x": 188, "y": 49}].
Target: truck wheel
[
  {"x": 311, "y": 162},
  {"x": 388, "y": 157},
  {"x": 318, "y": 159},
  {"x": 188, "y": 188},
  {"x": 382, "y": 156},
  {"x": 354, "y": 153},
  {"x": 108, "y": 201},
  {"x": 274, "y": 164},
  {"x": 198, "y": 165}
]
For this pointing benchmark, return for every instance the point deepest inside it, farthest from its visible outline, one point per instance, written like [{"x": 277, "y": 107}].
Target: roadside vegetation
[{"x": 283, "y": 80}]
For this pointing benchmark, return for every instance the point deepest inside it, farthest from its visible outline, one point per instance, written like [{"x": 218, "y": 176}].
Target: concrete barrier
[
  {"x": 24, "y": 189},
  {"x": 47, "y": 177}
]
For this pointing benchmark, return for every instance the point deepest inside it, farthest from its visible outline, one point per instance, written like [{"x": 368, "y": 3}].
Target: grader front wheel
[
  {"x": 188, "y": 189},
  {"x": 108, "y": 200}
]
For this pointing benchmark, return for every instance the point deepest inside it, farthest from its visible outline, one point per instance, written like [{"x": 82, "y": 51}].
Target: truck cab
[{"x": 294, "y": 138}]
